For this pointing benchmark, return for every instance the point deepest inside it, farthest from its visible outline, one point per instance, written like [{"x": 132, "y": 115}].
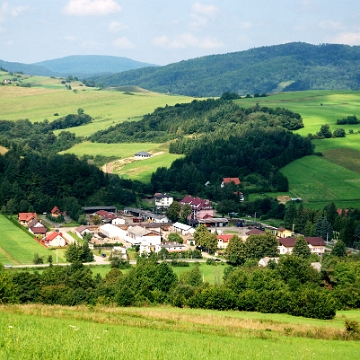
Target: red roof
[
  {"x": 27, "y": 216},
  {"x": 55, "y": 209},
  {"x": 236, "y": 181},
  {"x": 287, "y": 242},
  {"x": 255, "y": 232},
  {"x": 315, "y": 241},
  {"x": 196, "y": 203},
  {"x": 224, "y": 237},
  {"x": 105, "y": 214},
  {"x": 53, "y": 235},
  {"x": 38, "y": 230}
]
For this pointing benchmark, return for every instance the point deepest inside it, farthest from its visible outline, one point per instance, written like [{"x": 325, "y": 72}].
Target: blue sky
[{"x": 167, "y": 31}]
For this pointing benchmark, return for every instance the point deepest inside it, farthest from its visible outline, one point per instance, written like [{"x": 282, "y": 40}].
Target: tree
[
  {"x": 80, "y": 111},
  {"x": 96, "y": 219},
  {"x": 323, "y": 229},
  {"x": 235, "y": 252},
  {"x": 192, "y": 277},
  {"x": 258, "y": 246},
  {"x": 300, "y": 221},
  {"x": 290, "y": 215},
  {"x": 200, "y": 235},
  {"x": 175, "y": 237},
  {"x": 173, "y": 212},
  {"x": 325, "y": 131},
  {"x": 301, "y": 248},
  {"x": 339, "y": 249},
  {"x": 339, "y": 133},
  {"x": 185, "y": 212}
]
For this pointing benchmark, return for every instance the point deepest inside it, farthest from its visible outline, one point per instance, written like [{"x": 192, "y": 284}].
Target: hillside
[
  {"x": 86, "y": 65},
  {"x": 77, "y": 65},
  {"x": 292, "y": 66}
]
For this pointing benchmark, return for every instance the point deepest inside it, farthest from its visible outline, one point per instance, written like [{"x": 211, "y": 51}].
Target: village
[{"x": 152, "y": 232}]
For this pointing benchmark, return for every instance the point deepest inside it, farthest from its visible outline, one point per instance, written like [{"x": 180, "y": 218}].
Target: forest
[{"x": 257, "y": 70}]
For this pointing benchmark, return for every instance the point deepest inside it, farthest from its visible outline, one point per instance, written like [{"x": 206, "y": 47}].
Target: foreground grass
[{"x": 55, "y": 332}]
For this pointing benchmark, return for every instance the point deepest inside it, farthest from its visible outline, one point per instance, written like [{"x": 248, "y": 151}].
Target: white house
[
  {"x": 171, "y": 247},
  {"x": 182, "y": 228},
  {"x": 265, "y": 260},
  {"x": 141, "y": 155},
  {"x": 54, "y": 239},
  {"x": 163, "y": 200},
  {"x": 82, "y": 230},
  {"x": 223, "y": 240},
  {"x": 112, "y": 232},
  {"x": 118, "y": 221}
]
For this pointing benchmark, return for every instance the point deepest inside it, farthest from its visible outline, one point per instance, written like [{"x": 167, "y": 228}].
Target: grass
[
  {"x": 335, "y": 105},
  {"x": 48, "y": 96},
  {"x": 48, "y": 332},
  {"x": 17, "y": 247}
]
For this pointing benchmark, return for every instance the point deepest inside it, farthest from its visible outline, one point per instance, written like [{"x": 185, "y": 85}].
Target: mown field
[
  {"x": 55, "y": 332},
  {"x": 17, "y": 247},
  {"x": 48, "y": 96},
  {"x": 316, "y": 107}
]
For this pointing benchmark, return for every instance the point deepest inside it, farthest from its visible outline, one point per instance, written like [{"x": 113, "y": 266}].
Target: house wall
[{"x": 57, "y": 242}]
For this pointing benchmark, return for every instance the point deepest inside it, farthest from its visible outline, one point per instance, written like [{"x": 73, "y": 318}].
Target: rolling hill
[
  {"x": 286, "y": 67},
  {"x": 77, "y": 65}
]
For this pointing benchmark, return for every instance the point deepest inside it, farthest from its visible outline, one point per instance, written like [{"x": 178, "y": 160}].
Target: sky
[{"x": 167, "y": 31}]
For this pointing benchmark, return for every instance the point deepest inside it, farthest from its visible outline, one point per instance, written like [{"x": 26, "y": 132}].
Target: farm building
[{"x": 112, "y": 232}]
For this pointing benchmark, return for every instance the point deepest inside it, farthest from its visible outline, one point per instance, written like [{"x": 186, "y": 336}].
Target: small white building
[
  {"x": 82, "y": 230},
  {"x": 171, "y": 247},
  {"x": 265, "y": 260},
  {"x": 118, "y": 221},
  {"x": 112, "y": 232},
  {"x": 163, "y": 201},
  {"x": 141, "y": 155},
  {"x": 55, "y": 239},
  {"x": 182, "y": 228}
]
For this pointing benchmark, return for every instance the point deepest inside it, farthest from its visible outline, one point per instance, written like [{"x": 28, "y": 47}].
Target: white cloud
[
  {"x": 4, "y": 9},
  {"x": 349, "y": 38},
  {"x": 9, "y": 43},
  {"x": 186, "y": 40},
  {"x": 123, "y": 43},
  {"x": 18, "y": 10},
  {"x": 69, "y": 38},
  {"x": 330, "y": 24},
  {"x": 93, "y": 45},
  {"x": 116, "y": 26},
  {"x": 246, "y": 25},
  {"x": 205, "y": 10},
  {"x": 92, "y": 7}
]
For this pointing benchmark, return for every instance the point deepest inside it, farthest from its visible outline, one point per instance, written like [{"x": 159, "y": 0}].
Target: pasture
[
  {"x": 44, "y": 332},
  {"x": 318, "y": 180},
  {"x": 108, "y": 107},
  {"x": 315, "y": 107},
  {"x": 17, "y": 247}
]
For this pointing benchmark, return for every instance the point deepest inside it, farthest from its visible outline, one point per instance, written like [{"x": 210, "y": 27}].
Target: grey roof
[
  {"x": 213, "y": 220},
  {"x": 142, "y": 153}
]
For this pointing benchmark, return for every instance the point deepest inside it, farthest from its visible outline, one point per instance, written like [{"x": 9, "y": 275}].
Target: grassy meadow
[
  {"x": 17, "y": 247},
  {"x": 316, "y": 107},
  {"x": 48, "y": 96},
  {"x": 55, "y": 332}
]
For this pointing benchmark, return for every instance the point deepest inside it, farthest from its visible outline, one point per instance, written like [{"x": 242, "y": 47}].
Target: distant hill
[
  {"x": 77, "y": 65},
  {"x": 292, "y": 66},
  {"x": 86, "y": 65}
]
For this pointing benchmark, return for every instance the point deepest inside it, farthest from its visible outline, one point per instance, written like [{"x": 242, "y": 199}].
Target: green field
[
  {"x": 55, "y": 332},
  {"x": 315, "y": 179},
  {"x": 48, "y": 96},
  {"x": 16, "y": 247},
  {"x": 335, "y": 105}
]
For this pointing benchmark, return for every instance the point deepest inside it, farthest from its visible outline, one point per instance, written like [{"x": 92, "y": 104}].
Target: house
[
  {"x": 316, "y": 245},
  {"x": 283, "y": 233},
  {"x": 211, "y": 221},
  {"x": 141, "y": 155},
  {"x": 200, "y": 207},
  {"x": 223, "y": 240},
  {"x": 112, "y": 232},
  {"x": 118, "y": 221},
  {"x": 55, "y": 212},
  {"x": 54, "y": 239},
  {"x": 255, "y": 232},
  {"x": 163, "y": 201},
  {"x": 106, "y": 217},
  {"x": 26, "y": 218},
  {"x": 227, "y": 181},
  {"x": 265, "y": 260},
  {"x": 82, "y": 230},
  {"x": 182, "y": 228},
  {"x": 119, "y": 252},
  {"x": 286, "y": 245},
  {"x": 139, "y": 235},
  {"x": 37, "y": 228},
  {"x": 170, "y": 247}
]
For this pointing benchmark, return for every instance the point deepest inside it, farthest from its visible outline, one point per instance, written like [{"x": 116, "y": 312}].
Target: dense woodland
[{"x": 258, "y": 70}]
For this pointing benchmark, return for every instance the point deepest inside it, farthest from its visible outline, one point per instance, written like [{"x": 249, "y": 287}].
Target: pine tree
[
  {"x": 301, "y": 219},
  {"x": 339, "y": 249},
  {"x": 290, "y": 215},
  {"x": 301, "y": 248}
]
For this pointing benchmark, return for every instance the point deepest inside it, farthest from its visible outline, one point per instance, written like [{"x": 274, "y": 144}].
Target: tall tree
[
  {"x": 173, "y": 212},
  {"x": 290, "y": 216},
  {"x": 339, "y": 249},
  {"x": 236, "y": 251},
  {"x": 258, "y": 246},
  {"x": 301, "y": 248}
]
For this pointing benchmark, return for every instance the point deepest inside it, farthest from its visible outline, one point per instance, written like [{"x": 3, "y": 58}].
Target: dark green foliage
[
  {"x": 258, "y": 246},
  {"x": 301, "y": 248},
  {"x": 79, "y": 253},
  {"x": 325, "y": 131},
  {"x": 348, "y": 120},
  {"x": 339, "y": 133},
  {"x": 339, "y": 249},
  {"x": 258, "y": 70}
]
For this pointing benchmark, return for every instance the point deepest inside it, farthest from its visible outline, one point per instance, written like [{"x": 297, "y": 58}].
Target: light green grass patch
[
  {"x": 315, "y": 179},
  {"x": 143, "y": 169},
  {"x": 17, "y": 246},
  {"x": 335, "y": 105}
]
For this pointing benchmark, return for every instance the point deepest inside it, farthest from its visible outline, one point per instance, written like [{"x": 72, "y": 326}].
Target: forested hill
[{"x": 292, "y": 66}]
